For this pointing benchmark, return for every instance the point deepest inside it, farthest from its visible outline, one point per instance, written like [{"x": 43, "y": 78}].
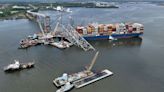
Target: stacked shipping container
[{"x": 109, "y": 29}]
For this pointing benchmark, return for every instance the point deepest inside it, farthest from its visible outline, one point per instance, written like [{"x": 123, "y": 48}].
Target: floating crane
[
  {"x": 75, "y": 76},
  {"x": 80, "y": 79}
]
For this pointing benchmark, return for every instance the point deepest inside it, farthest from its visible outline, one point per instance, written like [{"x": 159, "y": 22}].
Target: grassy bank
[{"x": 10, "y": 13}]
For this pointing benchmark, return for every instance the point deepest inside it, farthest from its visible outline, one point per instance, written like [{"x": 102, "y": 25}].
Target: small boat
[
  {"x": 61, "y": 44},
  {"x": 75, "y": 76},
  {"x": 59, "y": 8},
  {"x": 14, "y": 66},
  {"x": 68, "y": 86},
  {"x": 25, "y": 43},
  {"x": 68, "y": 10},
  {"x": 62, "y": 9},
  {"x": 111, "y": 38},
  {"x": 18, "y": 66}
]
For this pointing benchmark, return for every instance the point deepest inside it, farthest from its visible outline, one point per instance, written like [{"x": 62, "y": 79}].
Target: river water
[{"x": 138, "y": 64}]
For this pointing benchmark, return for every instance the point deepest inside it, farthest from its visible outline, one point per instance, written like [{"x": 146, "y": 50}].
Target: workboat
[
  {"x": 14, "y": 66},
  {"x": 62, "y": 9},
  {"x": 70, "y": 78},
  {"x": 90, "y": 79},
  {"x": 25, "y": 43},
  {"x": 18, "y": 66},
  {"x": 61, "y": 44},
  {"x": 68, "y": 86},
  {"x": 95, "y": 31},
  {"x": 75, "y": 76}
]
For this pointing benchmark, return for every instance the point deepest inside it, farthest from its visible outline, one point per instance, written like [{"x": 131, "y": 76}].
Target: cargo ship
[{"x": 97, "y": 31}]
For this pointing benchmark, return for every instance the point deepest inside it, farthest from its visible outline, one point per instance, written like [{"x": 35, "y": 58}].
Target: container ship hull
[
  {"x": 97, "y": 31},
  {"x": 115, "y": 36}
]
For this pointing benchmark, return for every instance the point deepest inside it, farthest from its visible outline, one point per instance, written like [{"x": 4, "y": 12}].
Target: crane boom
[{"x": 93, "y": 62}]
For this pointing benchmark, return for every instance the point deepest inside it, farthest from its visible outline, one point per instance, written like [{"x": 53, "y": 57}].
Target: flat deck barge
[{"x": 90, "y": 79}]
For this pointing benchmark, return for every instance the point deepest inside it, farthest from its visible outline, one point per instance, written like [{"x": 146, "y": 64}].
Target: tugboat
[
  {"x": 11, "y": 67},
  {"x": 18, "y": 66},
  {"x": 68, "y": 86}
]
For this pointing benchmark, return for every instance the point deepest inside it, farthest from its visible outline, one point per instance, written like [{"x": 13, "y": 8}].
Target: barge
[
  {"x": 90, "y": 79},
  {"x": 67, "y": 82},
  {"x": 60, "y": 81}
]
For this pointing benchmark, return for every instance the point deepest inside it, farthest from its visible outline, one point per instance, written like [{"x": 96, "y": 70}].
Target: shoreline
[
  {"x": 6, "y": 13},
  {"x": 14, "y": 16}
]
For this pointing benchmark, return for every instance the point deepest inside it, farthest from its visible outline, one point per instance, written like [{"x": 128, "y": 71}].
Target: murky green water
[{"x": 138, "y": 64}]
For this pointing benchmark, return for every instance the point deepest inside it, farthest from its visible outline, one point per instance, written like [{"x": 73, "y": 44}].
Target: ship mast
[{"x": 93, "y": 62}]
